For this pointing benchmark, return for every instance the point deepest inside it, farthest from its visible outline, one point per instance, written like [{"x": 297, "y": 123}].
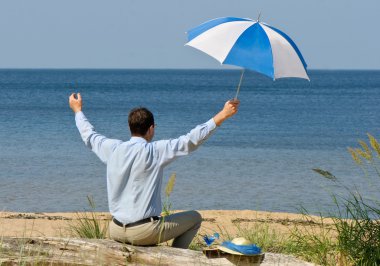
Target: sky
[{"x": 331, "y": 34}]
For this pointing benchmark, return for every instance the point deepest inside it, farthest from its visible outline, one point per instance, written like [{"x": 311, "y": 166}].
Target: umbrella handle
[{"x": 238, "y": 88}]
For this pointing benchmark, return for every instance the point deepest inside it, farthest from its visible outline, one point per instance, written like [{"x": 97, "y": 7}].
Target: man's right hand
[
  {"x": 75, "y": 101},
  {"x": 230, "y": 108}
]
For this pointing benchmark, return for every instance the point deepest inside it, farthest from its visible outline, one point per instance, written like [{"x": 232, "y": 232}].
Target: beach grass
[
  {"x": 269, "y": 240},
  {"x": 316, "y": 244},
  {"x": 354, "y": 238},
  {"x": 167, "y": 205},
  {"x": 88, "y": 224}
]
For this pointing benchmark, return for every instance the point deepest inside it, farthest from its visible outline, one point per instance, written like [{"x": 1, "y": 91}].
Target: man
[{"x": 135, "y": 173}]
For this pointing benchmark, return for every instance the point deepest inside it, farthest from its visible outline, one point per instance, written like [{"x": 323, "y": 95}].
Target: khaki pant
[{"x": 182, "y": 226}]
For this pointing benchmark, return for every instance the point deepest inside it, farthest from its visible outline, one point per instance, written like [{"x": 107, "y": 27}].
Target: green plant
[
  {"x": 358, "y": 227},
  {"x": 262, "y": 235},
  {"x": 316, "y": 243},
  {"x": 356, "y": 220},
  {"x": 224, "y": 233},
  {"x": 166, "y": 208},
  {"x": 88, "y": 224}
]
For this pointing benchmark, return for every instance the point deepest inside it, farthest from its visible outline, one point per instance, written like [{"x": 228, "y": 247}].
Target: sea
[{"x": 261, "y": 159}]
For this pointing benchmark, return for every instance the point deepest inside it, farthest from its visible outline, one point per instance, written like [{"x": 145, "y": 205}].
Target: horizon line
[{"x": 179, "y": 69}]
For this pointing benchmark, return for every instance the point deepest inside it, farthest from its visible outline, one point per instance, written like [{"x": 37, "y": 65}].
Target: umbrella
[{"x": 250, "y": 44}]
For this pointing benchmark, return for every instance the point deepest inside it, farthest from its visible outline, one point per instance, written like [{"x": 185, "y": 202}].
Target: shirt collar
[{"x": 137, "y": 140}]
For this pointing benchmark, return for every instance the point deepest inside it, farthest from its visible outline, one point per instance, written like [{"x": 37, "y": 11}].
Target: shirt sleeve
[
  {"x": 99, "y": 144},
  {"x": 169, "y": 150}
]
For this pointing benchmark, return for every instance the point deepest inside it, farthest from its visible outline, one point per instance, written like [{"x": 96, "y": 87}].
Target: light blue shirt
[{"x": 135, "y": 167}]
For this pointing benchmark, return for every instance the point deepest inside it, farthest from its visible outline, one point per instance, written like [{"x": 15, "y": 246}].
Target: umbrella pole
[{"x": 241, "y": 79}]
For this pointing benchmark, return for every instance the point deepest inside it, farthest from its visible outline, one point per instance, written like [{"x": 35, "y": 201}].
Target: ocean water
[{"x": 260, "y": 159}]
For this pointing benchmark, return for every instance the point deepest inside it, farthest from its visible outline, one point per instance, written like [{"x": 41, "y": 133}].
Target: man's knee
[{"x": 196, "y": 218}]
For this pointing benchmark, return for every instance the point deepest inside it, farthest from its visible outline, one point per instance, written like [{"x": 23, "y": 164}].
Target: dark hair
[{"x": 139, "y": 120}]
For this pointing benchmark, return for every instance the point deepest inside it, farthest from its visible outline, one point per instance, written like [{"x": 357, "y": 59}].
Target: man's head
[{"x": 141, "y": 123}]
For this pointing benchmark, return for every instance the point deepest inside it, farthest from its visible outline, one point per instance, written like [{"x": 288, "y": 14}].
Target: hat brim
[{"x": 230, "y": 251}]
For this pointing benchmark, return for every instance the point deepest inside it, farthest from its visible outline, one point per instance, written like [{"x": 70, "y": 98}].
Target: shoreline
[{"x": 55, "y": 224}]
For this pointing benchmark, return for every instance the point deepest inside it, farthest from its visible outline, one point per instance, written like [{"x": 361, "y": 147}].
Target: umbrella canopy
[{"x": 249, "y": 44}]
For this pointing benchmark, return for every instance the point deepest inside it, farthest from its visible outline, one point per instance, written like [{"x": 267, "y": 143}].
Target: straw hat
[{"x": 239, "y": 241}]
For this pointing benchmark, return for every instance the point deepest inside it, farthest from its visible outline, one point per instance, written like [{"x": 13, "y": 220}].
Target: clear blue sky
[{"x": 331, "y": 34}]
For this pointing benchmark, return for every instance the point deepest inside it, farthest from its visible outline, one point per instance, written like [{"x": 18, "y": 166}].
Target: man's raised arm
[
  {"x": 99, "y": 144},
  {"x": 171, "y": 149}
]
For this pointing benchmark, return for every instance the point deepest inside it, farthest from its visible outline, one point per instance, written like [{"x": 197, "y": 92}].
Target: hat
[{"x": 240, "y": 246}]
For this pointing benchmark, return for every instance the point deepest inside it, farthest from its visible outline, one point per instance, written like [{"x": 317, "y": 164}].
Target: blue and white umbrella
[{"x": 249, "y": 44}]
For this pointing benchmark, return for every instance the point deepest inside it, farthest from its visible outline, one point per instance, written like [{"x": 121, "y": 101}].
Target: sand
[{"x": 222, "y": 221}]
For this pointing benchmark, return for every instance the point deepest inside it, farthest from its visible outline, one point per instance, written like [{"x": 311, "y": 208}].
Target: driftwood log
[
  {"x": 67, "y": 251},
  {"x": 64, "y": 251}
]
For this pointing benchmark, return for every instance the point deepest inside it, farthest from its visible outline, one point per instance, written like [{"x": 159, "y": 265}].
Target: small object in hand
[{"x": 210, "y": 239}]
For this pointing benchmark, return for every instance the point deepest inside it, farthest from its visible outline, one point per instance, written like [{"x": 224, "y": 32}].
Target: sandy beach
[
  {"x": 56, "y": 224},
  {"x": 225, "y": 222}
]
